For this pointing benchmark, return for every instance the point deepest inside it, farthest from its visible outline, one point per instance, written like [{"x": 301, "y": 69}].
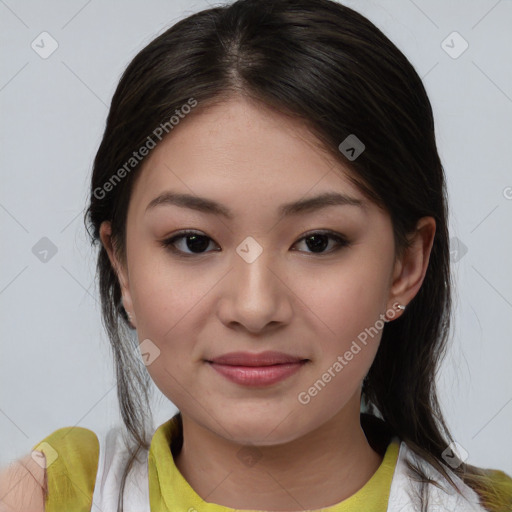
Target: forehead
[{"x": 242, "y": 154}]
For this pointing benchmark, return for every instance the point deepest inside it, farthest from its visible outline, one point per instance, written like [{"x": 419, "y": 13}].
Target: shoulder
[
  {"x": 71, "y": 451},
  {"x": 58, "y": 468},
  {"x": 494, "y": 488}
]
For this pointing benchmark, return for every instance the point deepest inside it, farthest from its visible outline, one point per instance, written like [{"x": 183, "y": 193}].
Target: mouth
[
  {"x": 268, "y": 358},
  {"x": 257, "y": 375}
]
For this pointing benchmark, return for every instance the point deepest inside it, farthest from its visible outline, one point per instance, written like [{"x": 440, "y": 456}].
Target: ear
[
  {"x": 120, "y": 270},
  {"x": 409, "y": 271}
]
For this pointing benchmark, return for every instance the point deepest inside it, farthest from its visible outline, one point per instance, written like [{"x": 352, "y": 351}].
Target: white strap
[
  {"x": 404, "y": 492},
  {"x": 403, "y": 497},
  {"x": 113, "y": 457}
]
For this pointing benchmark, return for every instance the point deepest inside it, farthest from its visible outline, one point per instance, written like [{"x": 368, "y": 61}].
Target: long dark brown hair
[{"x": 330, "y": 67}]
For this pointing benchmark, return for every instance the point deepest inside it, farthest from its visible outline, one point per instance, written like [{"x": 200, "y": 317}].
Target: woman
[{"x": 304, "y": 372}]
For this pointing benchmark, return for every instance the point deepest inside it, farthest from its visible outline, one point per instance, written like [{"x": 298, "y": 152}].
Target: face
[{"x": 255, "y": 280}]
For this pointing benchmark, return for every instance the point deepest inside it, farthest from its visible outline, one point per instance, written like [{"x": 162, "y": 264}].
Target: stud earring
[{"x": 392, "y": 311}]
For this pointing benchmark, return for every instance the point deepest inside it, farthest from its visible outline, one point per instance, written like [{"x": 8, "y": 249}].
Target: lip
[
  {"x": 257, "y": 376},
  {"x": 267, "y": 358}
]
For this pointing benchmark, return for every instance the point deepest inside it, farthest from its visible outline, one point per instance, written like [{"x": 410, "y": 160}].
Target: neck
[{"x": 279, "y": 477}]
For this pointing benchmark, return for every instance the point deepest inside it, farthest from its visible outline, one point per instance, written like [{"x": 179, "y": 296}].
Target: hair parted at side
[{"x": 331, "y": 68}]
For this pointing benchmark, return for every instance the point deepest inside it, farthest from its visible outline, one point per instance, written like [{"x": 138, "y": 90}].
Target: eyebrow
[{"x": 210, "y": 206}]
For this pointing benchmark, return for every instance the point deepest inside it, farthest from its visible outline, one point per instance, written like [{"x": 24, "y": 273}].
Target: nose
[{"x": 255, "y": 295}]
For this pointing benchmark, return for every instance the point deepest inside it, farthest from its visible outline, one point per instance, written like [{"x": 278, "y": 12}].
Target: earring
[
  {"x": 392, "y": 311},
  {"x": 129, "y": 316}
]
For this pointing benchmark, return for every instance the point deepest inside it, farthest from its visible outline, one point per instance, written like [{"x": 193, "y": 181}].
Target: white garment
[
  {"x": 113, "y": 456},
  {"x": 112, "y": 460},
  {"x": 404, "y": 490}
]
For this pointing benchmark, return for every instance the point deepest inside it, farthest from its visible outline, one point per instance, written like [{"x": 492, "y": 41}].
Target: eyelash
[{"x": 169, "y": 242}]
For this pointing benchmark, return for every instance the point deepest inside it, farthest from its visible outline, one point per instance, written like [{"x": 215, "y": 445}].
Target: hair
[{"x": 329, "y": 67}]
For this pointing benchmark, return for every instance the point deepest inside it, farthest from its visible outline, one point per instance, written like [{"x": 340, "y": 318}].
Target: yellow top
[
  {"x": 72, "y": 455},
  {"x": 71, "y": 463},
  {"x": 169, "y": 491}
]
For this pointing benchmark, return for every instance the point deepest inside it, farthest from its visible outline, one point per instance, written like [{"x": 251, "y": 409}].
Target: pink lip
[{"x": 257, "y": 375}]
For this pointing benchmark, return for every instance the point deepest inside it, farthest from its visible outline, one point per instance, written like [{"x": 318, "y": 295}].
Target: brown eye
[
  {"x": 189, "y": 243},
  {"x": 189, "y": 240},
  {"x": 319, "y": 240}
]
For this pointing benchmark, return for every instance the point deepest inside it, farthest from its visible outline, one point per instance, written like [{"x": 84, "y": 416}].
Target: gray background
[{"x": 56, "y": 367}]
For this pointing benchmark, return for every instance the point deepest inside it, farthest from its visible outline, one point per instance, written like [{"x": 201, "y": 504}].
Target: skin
[{"x": 291, "y": 299}]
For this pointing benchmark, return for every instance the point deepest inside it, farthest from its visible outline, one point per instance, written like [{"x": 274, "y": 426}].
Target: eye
[
  {"x": 317, "y": 241},
  {"x": 196, "y": 242}
]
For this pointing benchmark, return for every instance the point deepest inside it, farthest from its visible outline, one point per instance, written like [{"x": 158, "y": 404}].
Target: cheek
[
  {"x": 163, "y": 290},
  {"x": 169, "y": 312},
  {"x": 348, "y": 333},
  {"x": 164, "y": 305},
  {"x": 348, "y": 298},
  {"x": 346, "y": 306}
]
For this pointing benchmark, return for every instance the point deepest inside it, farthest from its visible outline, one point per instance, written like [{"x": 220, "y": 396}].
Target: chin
[{"x": 260, "y": 428}]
